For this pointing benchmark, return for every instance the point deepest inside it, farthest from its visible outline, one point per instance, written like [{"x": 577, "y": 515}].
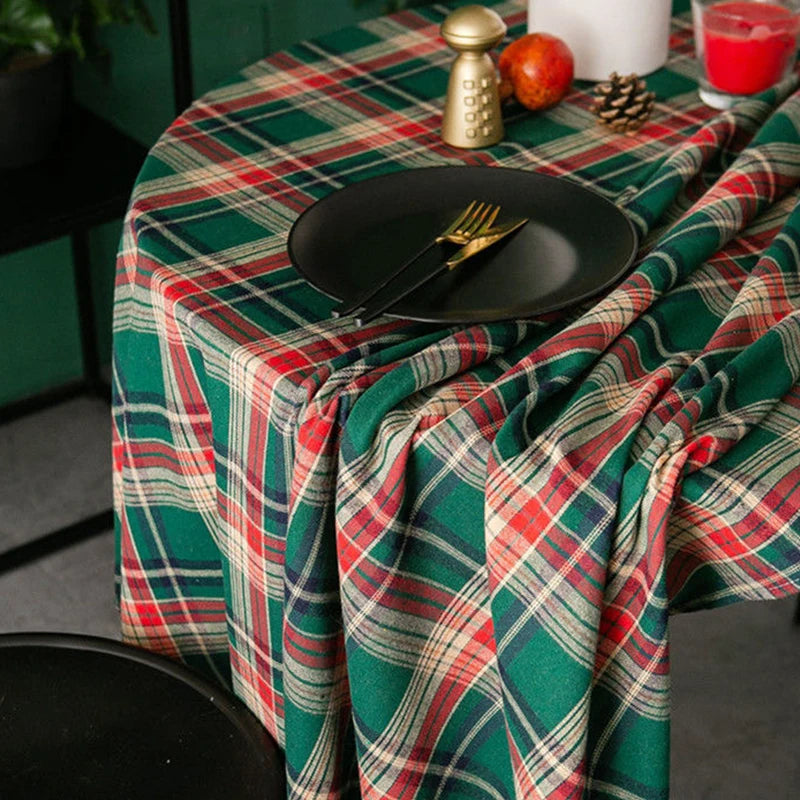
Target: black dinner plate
[{"x": 576, "y": 243}]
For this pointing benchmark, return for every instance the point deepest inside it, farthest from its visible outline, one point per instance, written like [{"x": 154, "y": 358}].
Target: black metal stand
[
  {"x": 86, "y": 182},
  {"x": 181, "y": 54}
]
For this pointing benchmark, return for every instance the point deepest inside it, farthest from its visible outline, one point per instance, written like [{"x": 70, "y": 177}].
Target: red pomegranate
[{"x": 537, "y": 69}]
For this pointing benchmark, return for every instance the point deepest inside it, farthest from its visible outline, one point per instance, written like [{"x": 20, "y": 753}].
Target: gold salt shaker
[{"x": 472, "y": 116}]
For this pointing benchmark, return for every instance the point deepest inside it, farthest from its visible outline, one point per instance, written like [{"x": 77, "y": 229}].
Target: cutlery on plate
[
  {"x": 474, "y": 220},
  {"x": 471, "y": 248}
]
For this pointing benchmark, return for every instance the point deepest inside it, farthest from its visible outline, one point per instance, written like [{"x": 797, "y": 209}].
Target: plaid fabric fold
[
  {"x": 439, "y": 561},
  {"x": 578, "y": 518}
]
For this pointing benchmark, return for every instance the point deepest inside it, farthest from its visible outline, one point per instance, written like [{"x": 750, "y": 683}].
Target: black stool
[{"x": 86, "y": 718}]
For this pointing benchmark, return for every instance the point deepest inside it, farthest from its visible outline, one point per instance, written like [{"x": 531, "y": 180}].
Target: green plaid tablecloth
[{"x": 439, "y": 561}]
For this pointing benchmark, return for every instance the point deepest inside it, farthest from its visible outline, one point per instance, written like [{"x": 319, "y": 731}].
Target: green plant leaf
[
  {"x": 103, "y": 12},
  {"x": 27, "y": 25},
  {"x": 70, "y": 25}
]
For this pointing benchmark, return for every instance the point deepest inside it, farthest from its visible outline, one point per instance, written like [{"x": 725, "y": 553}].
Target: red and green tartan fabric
[{"x": 440, "y": 561}]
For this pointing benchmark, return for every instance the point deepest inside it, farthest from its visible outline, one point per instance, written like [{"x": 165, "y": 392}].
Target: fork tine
[
  {"x": 477, "y": 223},
  {"x": 473, "y": 220},
  {"x": 489, "y": 221},
  {"x": 469, "y": 220},
  {"x": 459, "y": 220}
]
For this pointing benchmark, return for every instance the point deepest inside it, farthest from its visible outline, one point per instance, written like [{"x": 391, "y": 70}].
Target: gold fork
[
  {"x": 474, "y": 220},
  {"x": 474, "y": 246}
]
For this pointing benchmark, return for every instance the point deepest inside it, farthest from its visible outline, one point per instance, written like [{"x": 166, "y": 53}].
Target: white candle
[{"x": 607, "y": 36}]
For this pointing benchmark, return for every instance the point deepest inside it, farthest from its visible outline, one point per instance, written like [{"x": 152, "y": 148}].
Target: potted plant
[{"x": 37, "y": 37}]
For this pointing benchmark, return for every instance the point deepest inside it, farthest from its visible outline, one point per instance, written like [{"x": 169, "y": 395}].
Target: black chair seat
[{"x": 86, "y": 718}]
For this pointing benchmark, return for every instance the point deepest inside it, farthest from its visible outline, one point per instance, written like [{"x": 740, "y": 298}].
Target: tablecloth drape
[{"x": 439, "y": 561}]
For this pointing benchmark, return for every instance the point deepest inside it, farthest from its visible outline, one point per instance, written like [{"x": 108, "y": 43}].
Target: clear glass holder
[{"x": 716, "y": 98}]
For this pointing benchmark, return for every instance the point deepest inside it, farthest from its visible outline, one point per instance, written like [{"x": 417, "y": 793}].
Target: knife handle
[
  {"x": 471, "y": 248},
  {"x": 370, "y": 312},
  {"x": 349, "y": 306}
]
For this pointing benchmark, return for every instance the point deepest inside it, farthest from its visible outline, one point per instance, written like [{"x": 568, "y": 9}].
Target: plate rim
[{"x": 471, "y": 318}]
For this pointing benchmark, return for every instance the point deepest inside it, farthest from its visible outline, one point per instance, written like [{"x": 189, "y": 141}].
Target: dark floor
[
  {"x": 55, "y": 469},
  {"x": 736, "y": 671}
]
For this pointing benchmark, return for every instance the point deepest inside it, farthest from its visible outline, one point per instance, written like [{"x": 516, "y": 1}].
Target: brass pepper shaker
[{"x": 472, "y": 116}]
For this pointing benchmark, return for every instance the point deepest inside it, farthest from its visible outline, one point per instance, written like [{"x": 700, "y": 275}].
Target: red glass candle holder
[{"x": 743, "y": 46}]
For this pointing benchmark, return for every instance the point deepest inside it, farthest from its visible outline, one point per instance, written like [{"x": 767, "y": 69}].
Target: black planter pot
[{"x": 32, "y": 101}]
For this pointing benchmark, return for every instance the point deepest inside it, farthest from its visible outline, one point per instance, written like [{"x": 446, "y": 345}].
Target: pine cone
[{"x": 622, "y": 103}]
